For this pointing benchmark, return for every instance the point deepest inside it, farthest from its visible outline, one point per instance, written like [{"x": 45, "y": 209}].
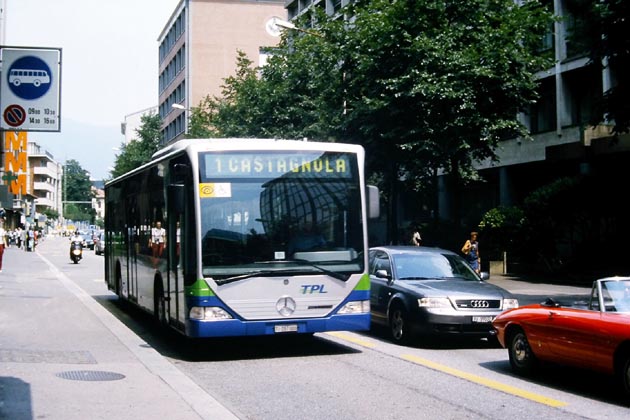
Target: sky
[{"x": 109, "y": 68}]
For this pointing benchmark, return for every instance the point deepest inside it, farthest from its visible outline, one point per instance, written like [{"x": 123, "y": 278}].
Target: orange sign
[{"x": 15, "y": 160}]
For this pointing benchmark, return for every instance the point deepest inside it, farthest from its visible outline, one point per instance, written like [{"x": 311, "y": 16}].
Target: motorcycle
[{"x": 76, "y": 251}]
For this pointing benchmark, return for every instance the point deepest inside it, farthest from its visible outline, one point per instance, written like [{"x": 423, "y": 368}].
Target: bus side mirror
[
  {"x": 176, "y": 197},
  {"x": 373, "y": 202}
]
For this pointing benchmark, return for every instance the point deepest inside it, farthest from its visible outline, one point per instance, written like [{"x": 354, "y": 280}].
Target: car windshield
[
  {"x": 432, "y": 266},
  {"x": 616, "y": 294}
]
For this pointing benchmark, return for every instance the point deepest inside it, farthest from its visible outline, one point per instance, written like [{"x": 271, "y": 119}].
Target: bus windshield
[{"x": 280, "y": 212}]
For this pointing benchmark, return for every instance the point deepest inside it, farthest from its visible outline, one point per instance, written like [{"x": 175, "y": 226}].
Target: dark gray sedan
[{"x": 431, "y": 291}]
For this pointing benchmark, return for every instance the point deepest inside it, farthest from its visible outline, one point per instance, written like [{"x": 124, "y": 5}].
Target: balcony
[
  {"x": 43, "y": 186},
  {"x": 46, "y": 171}
]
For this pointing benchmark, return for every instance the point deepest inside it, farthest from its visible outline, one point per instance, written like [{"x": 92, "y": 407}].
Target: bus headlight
[
  {"x": 212, "y": 313},
  {"x": 355, "y": 307}
]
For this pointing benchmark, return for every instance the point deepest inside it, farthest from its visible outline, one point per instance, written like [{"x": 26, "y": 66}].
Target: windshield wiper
[
  {"x": 294, "y": 270},
  {"x": 253, "y": 274},
  {"x": 416, "y": 278},
  {"x": 334, "y": 274}
]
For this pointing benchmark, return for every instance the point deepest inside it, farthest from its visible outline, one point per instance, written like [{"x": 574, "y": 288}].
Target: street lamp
[{"x": 179, "y": 106}]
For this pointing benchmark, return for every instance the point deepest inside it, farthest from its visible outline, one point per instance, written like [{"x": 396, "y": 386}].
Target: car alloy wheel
[
  {"x": 398, "y": 324},
  {"x": 522, "y": 359}
]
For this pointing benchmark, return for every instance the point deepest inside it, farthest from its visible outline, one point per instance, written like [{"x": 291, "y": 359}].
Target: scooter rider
[
  {"x": 77, "y": 238},
  {"x": 76, "y": 241}
]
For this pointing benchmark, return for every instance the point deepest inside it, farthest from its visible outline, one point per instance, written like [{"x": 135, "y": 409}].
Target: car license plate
[
  {"x": 484, "y": 319},
  {"x": 284, "y": 328}
]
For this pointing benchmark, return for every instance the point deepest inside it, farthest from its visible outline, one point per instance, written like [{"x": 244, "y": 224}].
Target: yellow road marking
[
  {"x": 352, "y": 339},
  {"x": 485, "y": 382}
]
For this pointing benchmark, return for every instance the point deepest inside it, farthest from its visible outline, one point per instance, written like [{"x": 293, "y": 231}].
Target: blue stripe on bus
[{"x": 237, "y": 327}]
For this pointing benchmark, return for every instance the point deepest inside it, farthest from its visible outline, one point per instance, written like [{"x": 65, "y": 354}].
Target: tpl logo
[{"x": 309, "y": 289}]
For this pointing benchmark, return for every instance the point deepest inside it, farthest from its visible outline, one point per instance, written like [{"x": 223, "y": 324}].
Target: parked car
[
  {"x": 422, "y": 291},
  {"x": 594, "y": 334},
  {"x": 99, "y": 243}
]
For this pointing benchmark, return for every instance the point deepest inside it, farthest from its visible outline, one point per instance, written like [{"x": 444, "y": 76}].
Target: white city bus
[
  {"x": 29, "y": 76},
  {"x": 261, "y": 237}
]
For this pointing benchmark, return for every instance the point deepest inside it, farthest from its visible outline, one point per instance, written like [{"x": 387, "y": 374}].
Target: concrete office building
[{"x": 198, "y": 50}]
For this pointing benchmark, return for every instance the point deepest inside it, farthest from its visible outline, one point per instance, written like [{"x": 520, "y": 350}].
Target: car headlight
[
  {"x": 212, "y": 313},
  {"x": 510, "y": 304},
  {"x": 434, "y": 302}
]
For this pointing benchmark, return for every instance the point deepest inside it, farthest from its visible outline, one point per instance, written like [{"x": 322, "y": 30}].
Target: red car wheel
[{"x": 522, "y": 359}]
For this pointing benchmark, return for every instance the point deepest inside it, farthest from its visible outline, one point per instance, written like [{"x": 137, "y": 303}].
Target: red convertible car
[{"x": 593, "y": 335}]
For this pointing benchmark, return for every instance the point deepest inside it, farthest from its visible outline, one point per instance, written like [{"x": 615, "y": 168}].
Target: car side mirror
[
  {"x": 383, "y": 274},
  {"x": 484, "y": 275}
]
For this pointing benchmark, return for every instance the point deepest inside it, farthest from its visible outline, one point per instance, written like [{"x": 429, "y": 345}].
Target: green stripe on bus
[
  {"x": 200, "y": 288},
  {"x": 364, "y": 283}
]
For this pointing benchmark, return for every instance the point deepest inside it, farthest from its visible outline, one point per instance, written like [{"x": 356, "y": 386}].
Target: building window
[{"x": 542, "y": 114}]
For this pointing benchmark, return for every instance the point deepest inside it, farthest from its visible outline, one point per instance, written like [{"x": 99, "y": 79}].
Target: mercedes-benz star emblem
[{"x": 285, "y": 306}]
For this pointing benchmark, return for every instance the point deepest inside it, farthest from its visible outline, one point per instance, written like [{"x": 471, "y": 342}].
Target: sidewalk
[{"x": 63, "y": 356}]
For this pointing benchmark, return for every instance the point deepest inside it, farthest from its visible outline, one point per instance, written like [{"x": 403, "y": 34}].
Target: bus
[
  {"x": 33, "y": 76},
  {"x": 244, "y": 237}
]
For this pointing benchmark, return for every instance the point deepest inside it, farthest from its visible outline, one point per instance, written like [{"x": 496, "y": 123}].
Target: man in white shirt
[{"x": 157, "y": 241}]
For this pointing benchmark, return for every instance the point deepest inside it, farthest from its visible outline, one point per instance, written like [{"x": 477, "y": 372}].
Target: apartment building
[
  {"x": 45, "y": 179},
  {"x": 198, "y": 50}
]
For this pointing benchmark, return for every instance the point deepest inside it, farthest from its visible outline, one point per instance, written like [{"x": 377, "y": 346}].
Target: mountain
[{"x": 90, "y": 145}]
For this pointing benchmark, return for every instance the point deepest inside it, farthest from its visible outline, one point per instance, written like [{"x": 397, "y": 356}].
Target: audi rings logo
[
  {"x": 285, "y": 306},
  {"x": 479, "y": 304}
]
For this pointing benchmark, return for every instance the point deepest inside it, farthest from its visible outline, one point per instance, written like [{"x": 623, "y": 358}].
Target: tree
[
  {"x": 435, "y": 85},
  {"x": 137, "y": 152},
  {"x": 424, "y": 85},
  {"x": 603, "y": 30},
  {"x": 77, "y": 187}
]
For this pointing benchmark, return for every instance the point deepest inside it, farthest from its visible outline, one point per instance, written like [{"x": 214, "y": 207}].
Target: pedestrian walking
[
  {"x": 3, "y": 243},
  {"x": 471, "y": 252}
]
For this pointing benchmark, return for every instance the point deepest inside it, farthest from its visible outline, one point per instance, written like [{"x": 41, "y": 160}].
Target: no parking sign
[{"x": 29, "y": 89}]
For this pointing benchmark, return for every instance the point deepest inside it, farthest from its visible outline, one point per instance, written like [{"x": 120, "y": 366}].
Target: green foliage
[
  {"x": 50, "y": 213},
  {"x": 502, "y": 229},
  {"x": 79, "y": 212},
  {"x": 139, "y": 151},
  {"x": 77, "y": 187}
]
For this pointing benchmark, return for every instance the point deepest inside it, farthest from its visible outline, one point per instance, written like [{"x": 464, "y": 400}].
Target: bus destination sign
[{"x": 274, "y": 164}]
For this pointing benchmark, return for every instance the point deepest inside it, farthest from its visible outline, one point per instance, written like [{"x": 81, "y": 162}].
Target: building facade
[
  {"x": 133, "y": 122},
  {"x": 45, "y": 179},
  {"x": 562, "y": 144},
  {"x": 198, "y": 50}
]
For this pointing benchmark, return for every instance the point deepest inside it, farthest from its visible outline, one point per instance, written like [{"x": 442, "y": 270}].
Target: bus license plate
[
  {"x": 284, "y": 328},
  {"x": 484, "y": 319}
]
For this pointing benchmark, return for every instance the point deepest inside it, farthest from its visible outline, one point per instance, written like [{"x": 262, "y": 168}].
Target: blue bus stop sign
[{"x": 29, "y": 77}]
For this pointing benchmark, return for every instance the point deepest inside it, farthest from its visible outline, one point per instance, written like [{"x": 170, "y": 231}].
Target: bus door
[
  {"x": 176, "y": 222},
  {"x": 130, "y": 286}
]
